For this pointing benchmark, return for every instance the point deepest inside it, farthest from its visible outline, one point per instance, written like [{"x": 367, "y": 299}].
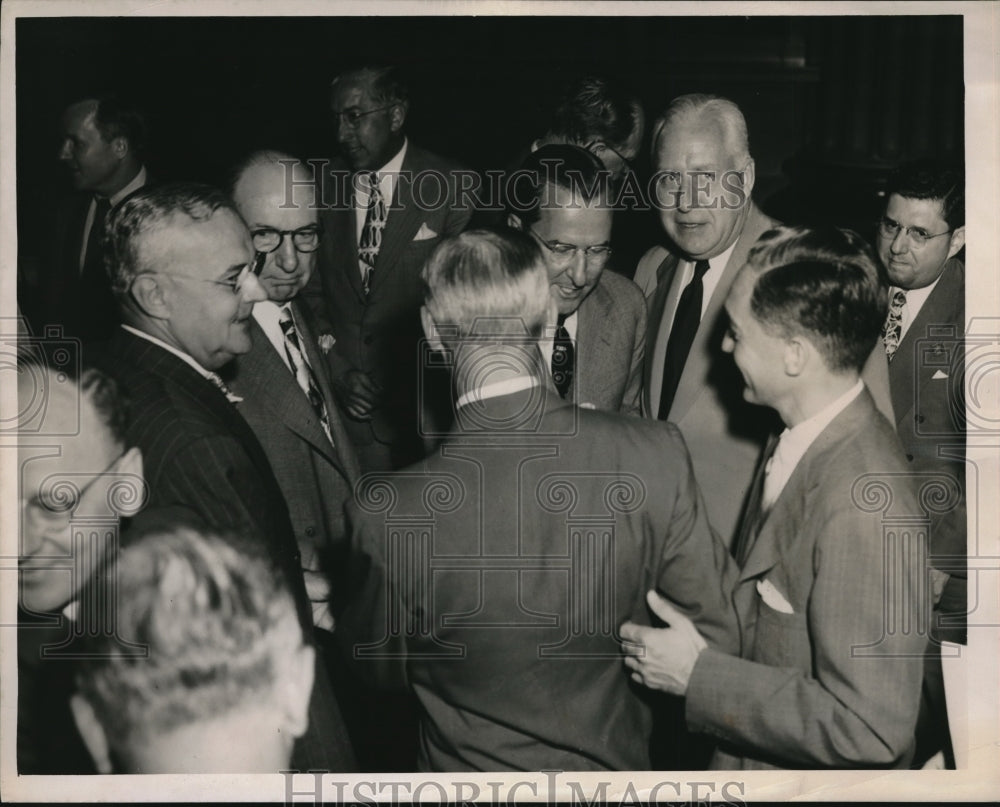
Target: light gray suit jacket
[
  {"x": 723, "y": 432},
  {"x": 315, "y": 477},
  {"x": 610, "y": 341},
  {"x": 830, "y": 666}
]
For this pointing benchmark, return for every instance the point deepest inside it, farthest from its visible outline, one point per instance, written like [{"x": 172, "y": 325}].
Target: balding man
[
  {"x": 283, "y": 380},
  {"x": 705, "y": 179}
]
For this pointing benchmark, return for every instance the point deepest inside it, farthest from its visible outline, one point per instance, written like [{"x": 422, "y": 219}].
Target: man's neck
[
  {"x": 810, "y": 399},
  {"x": 126, "y": 173}
]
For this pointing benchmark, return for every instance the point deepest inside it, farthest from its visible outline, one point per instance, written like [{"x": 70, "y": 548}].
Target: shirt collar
[
  {"x": 180, "y": 354},
  {"x": 795, "y": 442},
  {"x": 137, "y": 182},
  {"x": 497, "y": 389}
]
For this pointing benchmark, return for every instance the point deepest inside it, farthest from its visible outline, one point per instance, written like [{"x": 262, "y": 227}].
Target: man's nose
[
  {"x": 577, "y": 270},
  {"x": 344, "y": 129},
  {"x": 251, "y": 291},
  {"x": 685, "y": 194},
  {"x": 287, "y": 257},
  {"x": 901, "y": 243},
  {"x": 66, "y": 150}
]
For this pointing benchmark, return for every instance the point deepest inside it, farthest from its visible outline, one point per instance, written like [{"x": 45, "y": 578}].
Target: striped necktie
[{"x": 303, "y": 372}]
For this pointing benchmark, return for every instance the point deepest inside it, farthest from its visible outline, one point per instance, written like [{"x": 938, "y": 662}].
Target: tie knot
[
  {"x": 899, "y": 298},
  {"x": 700, "y": 268}
]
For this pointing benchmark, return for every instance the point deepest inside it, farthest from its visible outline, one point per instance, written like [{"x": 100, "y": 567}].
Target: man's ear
[
  {"x": 119, "y": 146},
  {"x": 397, "y": 116},
  {"x": 92, "y": 733},
  {"x": 514, "y": 221},
  {"x": 430, "y": 329},
  {"x": 749, "y": 177},
  {"x": 131, "y": 463},
  {"x": 796, "y": 356},
  {"x": 149, "y": 295},
  {"x": 297, "y": 689},
  {"x": 957, "y": 241}
]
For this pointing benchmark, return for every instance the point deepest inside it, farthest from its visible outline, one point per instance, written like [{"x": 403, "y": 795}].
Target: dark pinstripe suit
[{"x": 203, "y": 462}]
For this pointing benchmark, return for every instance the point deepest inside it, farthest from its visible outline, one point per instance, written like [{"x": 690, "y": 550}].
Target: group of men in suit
[{"x": 275, "y": 347}]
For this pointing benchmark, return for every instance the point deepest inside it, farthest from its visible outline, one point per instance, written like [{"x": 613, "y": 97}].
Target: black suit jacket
[
  {"x": 380, "y": 333},
  {"x": 202, "y": 462},
  {"x": 927, "y": 382}
]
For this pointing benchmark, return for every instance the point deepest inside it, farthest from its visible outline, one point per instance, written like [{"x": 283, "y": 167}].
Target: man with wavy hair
[{"x": 224, "y": 684}]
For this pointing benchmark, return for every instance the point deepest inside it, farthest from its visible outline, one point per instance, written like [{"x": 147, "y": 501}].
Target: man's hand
[
  {"x": 662, "y": 658},
  {"x": 358, "y": 394}
]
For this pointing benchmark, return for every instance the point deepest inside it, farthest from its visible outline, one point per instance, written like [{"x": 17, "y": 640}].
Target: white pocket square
[
  {"x": 938, "y": 376},
  {"x": 773, "y": 598},
  {"x": 424, "y": 233}
]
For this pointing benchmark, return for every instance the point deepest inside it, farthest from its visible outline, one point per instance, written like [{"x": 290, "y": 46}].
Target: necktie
[
  {"x": 215, "y": 379},
  {"x": 303, "y": 372},
  {"x": 686, "y": 322},
  {"x": 563, "y": 359},
  {"x": 371, "y": 235},
  {"x": 893, "y": 328},
  {"x": 756, "y": 510},
  {"x": 93, "y": 261}
]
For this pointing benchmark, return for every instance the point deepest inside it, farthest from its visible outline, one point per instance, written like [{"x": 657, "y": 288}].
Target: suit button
[
  {"x": 919, "y": 418},
  {"x": 310, "y": 531},
  {"x": 909, "y": 458}
]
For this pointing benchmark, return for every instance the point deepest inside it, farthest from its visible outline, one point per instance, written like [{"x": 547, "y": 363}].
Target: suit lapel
[
  {"x": 707, "y": 344},
  {"x": 593, "y": 344},
  {"x": 343, "y": 455},
  {"x": 340, "y": 238},
  {"x": 205, "y": 396},
  {"x": 945, "y": 306},
  {"x": 403, "y": 222},
  {"x": 668, "y": 292},
  {"x": 781, "y": 526}
]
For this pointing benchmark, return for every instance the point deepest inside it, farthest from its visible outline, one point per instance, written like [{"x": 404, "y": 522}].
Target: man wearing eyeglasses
[
  {"x": 705, "y": 179},
  {"x": 283, "y": 380},
  {"x": 182, "y": 266},
  {"x": 72, "y": 453},
  {"x": 920, "y": 237},
  {"x": 561, "y": 197},
  {"x": 387, "y": 205}
]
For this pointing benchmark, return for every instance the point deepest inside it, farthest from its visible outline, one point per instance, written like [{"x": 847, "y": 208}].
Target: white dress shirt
[
  {"x": 915, "y": 299},
  {"x": 137, "y": 182},
  {"x": 388, "y": 175},
  {"x": 793, "y": 444}
]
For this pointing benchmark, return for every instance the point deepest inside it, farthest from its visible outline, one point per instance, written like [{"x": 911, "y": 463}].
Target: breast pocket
[{"x": 781, "y": 640}]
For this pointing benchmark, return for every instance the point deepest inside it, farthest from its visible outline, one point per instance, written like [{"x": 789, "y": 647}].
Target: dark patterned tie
[
  {"x": 563, "y": 359},
  {"x": 371, "y": 235},
  {"x": 303, "y": 372},
  {"x": 893, "y": 328},
  {"x": 686, "y": 322}
]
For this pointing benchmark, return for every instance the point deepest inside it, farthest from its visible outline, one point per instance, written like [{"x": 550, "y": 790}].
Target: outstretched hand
[{"x": 662, "y": 658}]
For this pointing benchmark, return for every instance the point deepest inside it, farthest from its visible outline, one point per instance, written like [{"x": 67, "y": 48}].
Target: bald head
[{"x": 275, "y": 194}]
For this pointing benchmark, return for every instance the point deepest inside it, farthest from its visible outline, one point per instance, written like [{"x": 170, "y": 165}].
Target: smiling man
[
  {"x": 561, "y": 199},
  {"x": 72, "y": 448},
  {"x": 705, "y": 178},
  {"x": 180, "y": 261},
  {"x": 826, "y": 675}
]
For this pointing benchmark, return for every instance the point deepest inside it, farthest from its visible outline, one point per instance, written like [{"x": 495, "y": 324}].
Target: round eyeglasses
[
  {"x": 888, "y": 228},
  {"x": 564, "y": 254},
  {"x": 268, "y": 239}
]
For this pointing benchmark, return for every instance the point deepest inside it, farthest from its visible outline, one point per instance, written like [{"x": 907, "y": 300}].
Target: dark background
[{"x": 831, "y": 102}]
